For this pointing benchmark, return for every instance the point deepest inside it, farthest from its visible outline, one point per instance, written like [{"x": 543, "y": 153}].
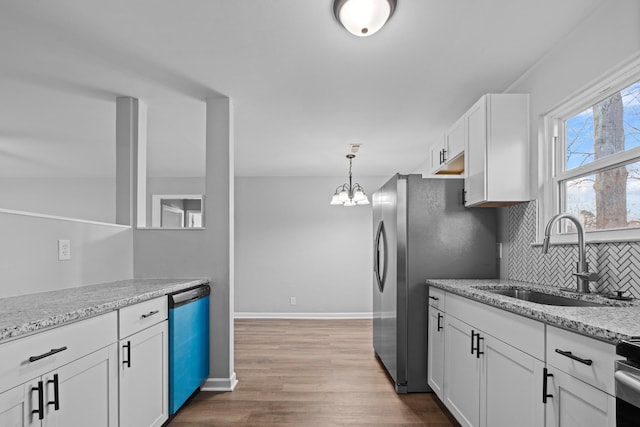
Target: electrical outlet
[
  {"x": 499, "y": 250},
  {"x": 292, "y": 300},
  {"x": 64, "y": 250}
]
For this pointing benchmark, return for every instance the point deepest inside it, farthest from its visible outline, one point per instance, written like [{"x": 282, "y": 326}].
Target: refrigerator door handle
[{"x": 379, "y": 265}]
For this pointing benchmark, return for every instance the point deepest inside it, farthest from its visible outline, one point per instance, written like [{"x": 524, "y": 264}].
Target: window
[{"x": 596, "y": 147}]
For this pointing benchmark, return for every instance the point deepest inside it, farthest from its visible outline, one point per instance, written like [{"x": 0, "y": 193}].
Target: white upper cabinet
[
  {"x": 447, "y": 158},
  {"x": 497, "y": 151}
]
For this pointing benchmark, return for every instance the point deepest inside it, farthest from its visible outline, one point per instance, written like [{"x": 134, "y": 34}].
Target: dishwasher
[
  {"x": 627, "y": 381},
  {"x": 188, "y": 343}
]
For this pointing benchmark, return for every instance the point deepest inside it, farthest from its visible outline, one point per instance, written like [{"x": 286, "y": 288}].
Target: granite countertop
[
  {"x": 26, "y": 314},
  {"x": 612, "y": 322}
]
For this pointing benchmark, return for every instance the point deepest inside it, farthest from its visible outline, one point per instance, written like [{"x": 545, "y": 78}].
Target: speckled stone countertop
[
  {"x": 612, "y": 322},
  {"x": 26, "y": 314}
]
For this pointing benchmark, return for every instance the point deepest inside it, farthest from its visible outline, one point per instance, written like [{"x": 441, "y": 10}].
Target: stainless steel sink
[{"x": 542, "y": 298}]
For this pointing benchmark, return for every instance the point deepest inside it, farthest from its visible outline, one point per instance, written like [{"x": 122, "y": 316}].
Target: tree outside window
[{"x": 604, "y": 194}]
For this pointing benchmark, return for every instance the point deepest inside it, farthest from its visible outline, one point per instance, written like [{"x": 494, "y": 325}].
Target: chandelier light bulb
[
  {"x": 359, "y": 196},
  {"x": 335, "y": 200}
]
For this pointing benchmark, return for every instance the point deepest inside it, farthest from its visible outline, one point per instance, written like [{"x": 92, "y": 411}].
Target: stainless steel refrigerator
[{"x": 421, "y": 230}]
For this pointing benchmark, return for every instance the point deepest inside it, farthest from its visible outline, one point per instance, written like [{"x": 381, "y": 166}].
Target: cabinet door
[
  {"x": 87, "y": 390},
  {"x": 435, "y": 352},
  {"x": 510, "y": 386},
  {"x": 461, "y": 373},
  {"x": 144, "y": 394},
  {"x": 15, "y": 406},
  {"x": 455, "y": 140},
  {"x": 476, "y": 153},
  {"x": 574, "y": 403},
  {"x": 436, "y": 157}
]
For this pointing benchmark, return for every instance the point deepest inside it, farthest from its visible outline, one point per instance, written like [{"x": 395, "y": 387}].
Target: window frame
[{"x": 553, "y": 154}]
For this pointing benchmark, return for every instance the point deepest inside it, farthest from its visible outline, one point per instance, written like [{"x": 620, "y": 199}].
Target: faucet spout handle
[{"x": 587, "y": 276}]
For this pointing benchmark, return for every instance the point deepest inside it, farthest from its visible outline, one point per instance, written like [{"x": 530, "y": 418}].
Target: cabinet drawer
[
  {"x": 436, "y": 298},
  {"x": 79, "y": 338},
  {"x": 525, "y": 334},
  {"x": 137, "y": 317},
  {"x": 602, "y": 356}
]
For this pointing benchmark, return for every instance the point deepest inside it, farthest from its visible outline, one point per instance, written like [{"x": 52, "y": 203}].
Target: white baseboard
[
  {"x": 220, "y": 384},
  {"x": 241, "y": 315}
]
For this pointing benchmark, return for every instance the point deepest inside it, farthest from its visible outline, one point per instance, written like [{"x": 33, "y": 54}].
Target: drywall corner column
[
  {"x": 219, "y": 214},
  {"x": 131, "y": 161},
  {"x": 204, "y": 252}
]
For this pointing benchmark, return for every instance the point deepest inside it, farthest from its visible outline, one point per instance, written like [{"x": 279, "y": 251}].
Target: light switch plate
[{"x": 64, "y": 250}]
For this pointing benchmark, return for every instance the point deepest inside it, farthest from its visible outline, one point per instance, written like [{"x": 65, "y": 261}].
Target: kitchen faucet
[{"x": 583, "y": 275}]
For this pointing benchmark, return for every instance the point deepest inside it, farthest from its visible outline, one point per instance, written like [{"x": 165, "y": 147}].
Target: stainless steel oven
[{"x": 627, "y": 376}]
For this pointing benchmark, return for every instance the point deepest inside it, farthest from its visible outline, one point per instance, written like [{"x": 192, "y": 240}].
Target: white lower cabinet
[
  {"x": 461, "y": 373},
  {"x": 488, "y": 382},
  {"x": 573, "y": 403},
  {"x": 144, "y": 395},
  {"x": 88, "y": 390},
  {"x": 495, "y": 362},
  {"x": 13, "y": 407},
  {"x": 510, "y": 386},
  {"x": 435, "y": 352},
  {"x": 580, "y": 383},
  {"x": 106, "y": 371},
  {"x": 72, "y": 391},
  {"x": 503, "y": 370}
]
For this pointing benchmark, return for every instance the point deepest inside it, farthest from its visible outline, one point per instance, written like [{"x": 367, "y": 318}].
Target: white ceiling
[{"x": 302, "y": 87}]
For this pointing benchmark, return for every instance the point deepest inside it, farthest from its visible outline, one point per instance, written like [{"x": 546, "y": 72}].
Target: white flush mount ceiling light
[
  {"x": 349, "y": 194},
  {"x": 363, "y": 17}
]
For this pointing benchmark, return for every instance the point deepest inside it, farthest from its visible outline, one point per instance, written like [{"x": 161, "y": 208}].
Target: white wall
[
  {"x": 291, "y": 243},
  {"x": 204, "y": 252},
  {"x": 86, "y": 198},
  {"x": 29, "y": 254},
  {"x": 610, "y": 37}
]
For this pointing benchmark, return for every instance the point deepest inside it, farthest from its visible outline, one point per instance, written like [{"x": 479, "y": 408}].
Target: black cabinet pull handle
[
  {"x": 151, "y": 313},
  {"x": 440, "y": 316},
  {"x": 440, "y": 160},
  {"x": 464, "y": 197},
  {"x": 568, "y": 354},
  {"x": 478, "y": 352},
  {"x": 476, "y": 347},
  {"x": 444, "y": 158},
  {"x": 47, "y": 354},
  {"x": 545, "y": 375},
  {"x": 56, "y": 395},
  {"x": 128, "y": 360},
  {"x": 434, "y": 298},
  {"x": 40, "y": 410}
]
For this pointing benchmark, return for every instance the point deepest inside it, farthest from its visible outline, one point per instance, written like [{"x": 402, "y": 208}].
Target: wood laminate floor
[{"x": 309, "y": 373}]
